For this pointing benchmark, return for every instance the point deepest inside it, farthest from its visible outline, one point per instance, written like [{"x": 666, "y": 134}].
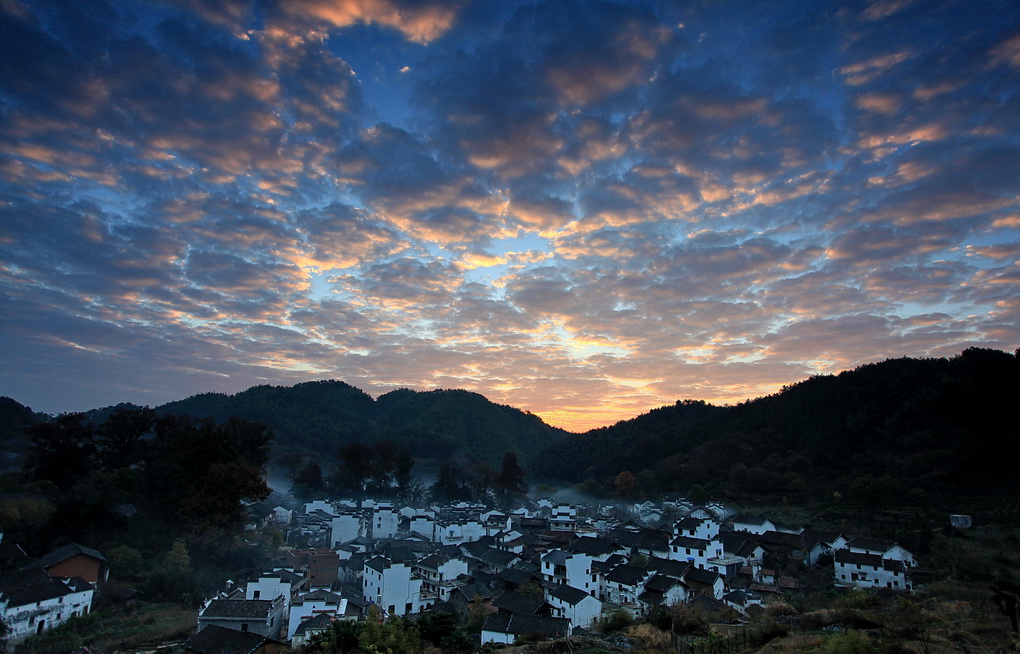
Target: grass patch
[{"x": 149, "y": 627}]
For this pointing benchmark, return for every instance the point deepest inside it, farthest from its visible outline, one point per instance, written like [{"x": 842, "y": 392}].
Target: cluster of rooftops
[{"x": 547, "y": 568}]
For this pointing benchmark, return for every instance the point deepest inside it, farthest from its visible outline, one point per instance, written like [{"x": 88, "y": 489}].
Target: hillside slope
[
  {"x": 902, "y": 425},
  {"x": 321, "y": 416}
]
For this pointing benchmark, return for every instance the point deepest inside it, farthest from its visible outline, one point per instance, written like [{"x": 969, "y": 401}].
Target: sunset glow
[{"x": 580, "y": 209}]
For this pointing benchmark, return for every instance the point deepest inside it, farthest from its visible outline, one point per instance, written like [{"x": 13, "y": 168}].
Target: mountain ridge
[{"x": 901, "y": 425}]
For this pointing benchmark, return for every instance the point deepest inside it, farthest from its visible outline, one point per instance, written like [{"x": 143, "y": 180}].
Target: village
[{"x": 545, "y": 569}]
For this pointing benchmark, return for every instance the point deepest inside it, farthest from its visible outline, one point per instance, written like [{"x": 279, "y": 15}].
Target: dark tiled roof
[
  {"x": 555, "y": 556},
  {"x": 653, "y": 540},
  {"x": 709, "y": 605},
  {"x": 779, "y": 538},
  {"x": 378, "y": 563},
  {"x": 318, "y": 623},
  {"x": 67, "y": 552},
  {"x": 514, "y": 576},
  {"x": 491, "y": 555},
  {"x": 520, "y": 625},
  {"x": 592, "y": 546},
  {"x": 568, "y": 594},
  {"x": 699, "y": 576},
  {"x": 893, "y": 565},
  {"x": 872, "y": 544},
  {"x": 627, "y": 574},
  {"x": 433, "y": 562},
  {"x": 219, "y": 640},
  {"x": 517, "y": 603},
  {"x": 318, "y": 595},
  {"x": 239, "y": 608},
  {"x": 668, "y": 567},
  {"x": 747, "y": 519},
  {"x": 21, "y": 589},
  {"x": 688, "y": 523},
  {"x": 660, "y": 583},
  {"x": 690, "y": 542},
  {"x": 858, "y": 558},
  {"x": 813, "y": 536}
]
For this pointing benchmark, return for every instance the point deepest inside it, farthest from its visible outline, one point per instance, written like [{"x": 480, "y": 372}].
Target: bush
[
  {"x": 650, "y": 637},
  {"x": 615, "y": 622},
  {"x": 852, "y": 642}
]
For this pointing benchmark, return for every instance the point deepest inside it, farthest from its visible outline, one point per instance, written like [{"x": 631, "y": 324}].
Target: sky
[{"x": 580, "y": 209}]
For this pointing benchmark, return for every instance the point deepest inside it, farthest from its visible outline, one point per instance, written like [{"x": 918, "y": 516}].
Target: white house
[
  {"x": 423, "y": 524},
  {"x": 563, "y": 518},
  {"x": 870, "y": 571},
  {"x": 818, "y": 543},
  {"x": 574, "y": 604},
  {"x": 315, "y": 603},
  {"x": 696, "y": 551},
  {"x": 752, "y": 524},
  {"x": 887, "y": 549},
  {"x": 662, "y": 590},
  {"x": 495, "y": 522},
  {"x": 391, "y": 586},
  {"x": 319, "y": 506},
  {"x": 459, "y": 531},
  {"x": 282, "y": 582},
  {"x": 437, "y": 572},
  {"x": 345, "y": 527},
  {"x": 263, "y": 617},
  {"x": 623, "y": 584},
  {"x": 573, "y": 569},
  {"x": 704, "y": 528},
  {"x": 704, "y": 582},
  {"x": 281, "y": 515},
  {"x": 32, "y": 602},
  {"x": 385, "y": 521},
  {"x": 506, "y": 628}
]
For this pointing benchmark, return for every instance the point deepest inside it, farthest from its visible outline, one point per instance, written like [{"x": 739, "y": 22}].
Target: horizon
[
  {"x": 375, "y": 396},
  {"x": 584, "y": 210}
]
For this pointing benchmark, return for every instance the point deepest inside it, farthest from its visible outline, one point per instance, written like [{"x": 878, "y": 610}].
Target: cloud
[{"x": 585, "y": 209}]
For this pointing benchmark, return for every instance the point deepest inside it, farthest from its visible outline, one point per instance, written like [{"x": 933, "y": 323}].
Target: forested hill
[
  {"x": 321, "y": 416},
  {"x": 885, "y": 429}
]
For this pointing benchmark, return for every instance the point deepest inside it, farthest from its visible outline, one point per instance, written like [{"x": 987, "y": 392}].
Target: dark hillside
[
  {"x": 308, "y": 416},
  {"x": 15, "y": 419},
  {"x": 319, "y": 417},
  {"x": 881, "y": 431}
]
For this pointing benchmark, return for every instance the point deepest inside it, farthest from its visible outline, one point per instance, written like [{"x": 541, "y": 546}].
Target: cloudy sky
[{"x": 582, "y": 209}]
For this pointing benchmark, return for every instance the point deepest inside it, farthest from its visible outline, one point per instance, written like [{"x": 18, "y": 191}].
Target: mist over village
[{"x": 554, "y": 326}]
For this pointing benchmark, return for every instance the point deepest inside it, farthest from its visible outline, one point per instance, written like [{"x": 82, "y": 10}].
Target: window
[
  {"x": 244, "y": 627},
  {"x": 255, "y": 595}
]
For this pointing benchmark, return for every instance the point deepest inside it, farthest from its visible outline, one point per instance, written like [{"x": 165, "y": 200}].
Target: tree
[
  {"x": 200, "y": 472},
  {"x": 739, "y": 475},
  {"x": 384, "y": 461},
  {"x": 172, "y": 578},
  {"x": 510, "y": 482},
  {"x": 293, "y": 462},
  {"x": 308, "y": 480},
  {"x": 446, "y": 487},
  {"x": 341, "y": 638},
  {"x": 625, "y": 484},
  {"x": 60, "y": 448},
  {"x": 697, "y": 494},
  {"x": 355, "y": 460},
  {"x": 118, "y": 437},
  {"x": 402, "y": 473},
  {"x": 126, "y": 562}
]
